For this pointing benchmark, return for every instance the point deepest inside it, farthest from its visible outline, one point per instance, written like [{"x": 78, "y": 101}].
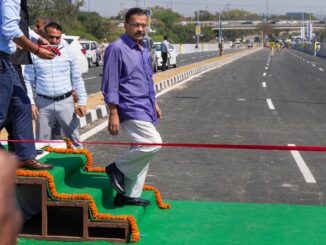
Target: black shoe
[
  {"x": 39, "y": 152},
  {"x": 121, "y": 200},
  {"x": 116, "y": 178}
]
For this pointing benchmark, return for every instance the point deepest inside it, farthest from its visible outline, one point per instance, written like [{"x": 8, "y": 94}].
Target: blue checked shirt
[
  {"x": 9, "y": 20},
  {"x": 55, "y": 77}
]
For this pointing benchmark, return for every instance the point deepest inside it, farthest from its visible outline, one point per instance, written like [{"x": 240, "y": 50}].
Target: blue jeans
[{"x": 15, "y": 108}]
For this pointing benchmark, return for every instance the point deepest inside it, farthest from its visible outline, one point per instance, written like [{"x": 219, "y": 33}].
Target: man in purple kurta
[{"x": 128, "y": 89}]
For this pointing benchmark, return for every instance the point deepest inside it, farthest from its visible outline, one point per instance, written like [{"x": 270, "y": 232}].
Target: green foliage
[
  {"x": 96, "y": 25},
  {"x": 90, "y": 25},
  {"x": 59, "y": 10},
  {"x": 321, "y": 35},
  {"x": 238, "y": 14},
  {"x": 168, "y": 17},
  {"x": 204, "y": 15},
  {"x": 86, "y": 25}
]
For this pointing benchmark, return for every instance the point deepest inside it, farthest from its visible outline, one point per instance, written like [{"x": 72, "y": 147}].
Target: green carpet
[
  {"x": 228, "y": 223},
  {"x": 70, "y": 177},
  {"x": 193, "y": 222}
]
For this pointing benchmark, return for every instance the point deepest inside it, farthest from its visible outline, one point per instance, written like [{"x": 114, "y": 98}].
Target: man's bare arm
[
  {"x": 26, "y": 44},
  {"x": 114, "y": 120}
]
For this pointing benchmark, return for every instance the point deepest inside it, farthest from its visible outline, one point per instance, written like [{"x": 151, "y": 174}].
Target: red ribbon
[
  {"x": 56, "y": 51},
  {"x": 190, "y": 145}
]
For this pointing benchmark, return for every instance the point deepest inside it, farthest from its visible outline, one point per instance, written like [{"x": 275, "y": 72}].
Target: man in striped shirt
[{"x": 52, "y": 82}]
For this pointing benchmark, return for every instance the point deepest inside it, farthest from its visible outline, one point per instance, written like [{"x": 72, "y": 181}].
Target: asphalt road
[
  {"x": 93, "y": 78},
  {"x": 253, "y": 100}
]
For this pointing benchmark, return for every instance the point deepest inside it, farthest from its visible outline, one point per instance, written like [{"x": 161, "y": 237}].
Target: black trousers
[{"x": 164, "y": 60}]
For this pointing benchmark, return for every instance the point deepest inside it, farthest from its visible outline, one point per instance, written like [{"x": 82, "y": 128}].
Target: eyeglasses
[{"x": 137, "y": 25}]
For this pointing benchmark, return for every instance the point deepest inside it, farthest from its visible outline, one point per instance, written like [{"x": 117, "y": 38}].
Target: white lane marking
[
  {"x": 266, "y": 68},
  {"x": 302, "y": 166},
  {"x": 264, "y": 84},
  {"x": 303, "y": 60},
  {"x": 89, "y": 78},
  {"x": 313, "y": 65},
  {"x": 321, "y": 69},
  {"x": 308, "y": 62},
  {"x": 264, "y": 74},
  {"x": 93, "y": 131},
  {"x": 270, "y": 104}
]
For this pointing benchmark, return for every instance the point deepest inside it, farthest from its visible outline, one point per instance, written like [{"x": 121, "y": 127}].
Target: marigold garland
[
  {"x": 68, "y": 142},
  {"x": 158, "y": 197},
  {"x": 45, "y": 174},
  {"x": 88, "y": 168}
]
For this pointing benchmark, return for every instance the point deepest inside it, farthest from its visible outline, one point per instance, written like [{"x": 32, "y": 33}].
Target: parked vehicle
[
  {"x": 150, "y": 46},
  {"x": 247, "y": 23},
  {"x": 172, "y": 60},
  {"x": 92, "y": 52},
  {"x": 250, "y": 43},
  {"x": 78, "y": 50}
]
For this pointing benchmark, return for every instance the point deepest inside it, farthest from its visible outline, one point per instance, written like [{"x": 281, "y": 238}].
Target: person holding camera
[{"x": 52, "y": 82}]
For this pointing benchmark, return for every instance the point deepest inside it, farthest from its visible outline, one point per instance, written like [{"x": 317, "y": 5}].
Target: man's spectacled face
[
  {"x": 136, "y": 27},
  {"x": 53, "y": 36}
]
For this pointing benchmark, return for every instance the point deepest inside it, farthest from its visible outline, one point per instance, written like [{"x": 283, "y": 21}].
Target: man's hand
[
  {"x": 10, "y": 215},
  {"x": 158, "y": 111},
  {"x": 27, "y": 45},
  {"x": 45, "y": 54},
  {"x": 74, "y": 95},
  {"x": 80, "y": 110},
  {"x": 43, "y": 41},
  {"x": 34, "y": 112},
  {"x": 114, "y": 120}
]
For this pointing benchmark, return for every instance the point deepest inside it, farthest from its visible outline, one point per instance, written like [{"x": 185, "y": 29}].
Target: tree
[
  {"x": 204, "y": 15},
  {"x": 168, "y": 17},
  {"x": 60, "y": 10},
  {"x": 98, "y": 26},
  {"x": 322, "y": 35}
]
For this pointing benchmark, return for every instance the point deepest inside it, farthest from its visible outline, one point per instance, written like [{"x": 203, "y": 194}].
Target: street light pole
[
  {"x": 198, "y": 24},
  {"x": 267, "y": 12},
  {"x": 220, "y": 28}
]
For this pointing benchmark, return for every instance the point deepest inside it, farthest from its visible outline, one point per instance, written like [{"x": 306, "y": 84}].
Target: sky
[{"x": 109, "y": 8}]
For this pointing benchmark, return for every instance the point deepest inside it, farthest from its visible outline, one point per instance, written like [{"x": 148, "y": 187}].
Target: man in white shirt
[
  {"x": 52, "y": 82},
  {"x": 165, "y": 52}
]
